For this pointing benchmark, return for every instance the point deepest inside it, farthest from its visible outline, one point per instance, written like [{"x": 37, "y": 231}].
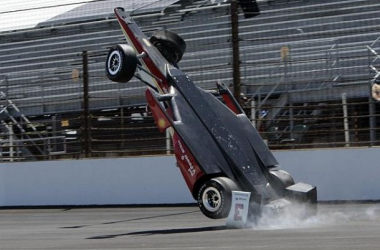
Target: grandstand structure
[{"x": 306, "y": 72}]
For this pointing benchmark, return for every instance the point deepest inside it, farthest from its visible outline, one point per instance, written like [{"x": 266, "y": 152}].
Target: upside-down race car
[{"x": 216, "y": 147}]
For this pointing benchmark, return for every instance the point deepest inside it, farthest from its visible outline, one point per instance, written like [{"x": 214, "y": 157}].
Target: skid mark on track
[
  {"x": 165, "y": 231},
  {"x": 130, "y": 220}
]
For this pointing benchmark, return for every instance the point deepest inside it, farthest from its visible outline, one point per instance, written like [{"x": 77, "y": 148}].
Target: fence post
[
  {"x": 86, "y": 112},
  {"x": 235, "y": 49},
  {"x": 345, "y": 120},
  {"x": 253, "y": 113},
  {"x": 372, "y": 120},
  {"x": 371, "y": 104},
  {"x": 168, "y": 140},
  {"x": 11, "y": 145}
]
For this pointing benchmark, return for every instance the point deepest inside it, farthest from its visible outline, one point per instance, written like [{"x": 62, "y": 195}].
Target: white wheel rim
[
  {"x": 114, "y": 62},
  {"x": 211, "y": 198}
]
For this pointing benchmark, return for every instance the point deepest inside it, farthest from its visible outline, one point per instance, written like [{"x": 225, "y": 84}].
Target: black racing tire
[
  {"x": 282, "y": 180},
  {"x": 169, "y": 44},
  {"x": 215, "y": 197},
  {"x": 121, "y": 63}
]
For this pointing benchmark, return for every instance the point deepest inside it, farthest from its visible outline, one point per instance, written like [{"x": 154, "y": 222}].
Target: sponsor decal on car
[{"x": 185, "y": 158}]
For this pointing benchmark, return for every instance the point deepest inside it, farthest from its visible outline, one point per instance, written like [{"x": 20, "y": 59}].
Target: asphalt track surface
[{"x": 337, "y": 226}]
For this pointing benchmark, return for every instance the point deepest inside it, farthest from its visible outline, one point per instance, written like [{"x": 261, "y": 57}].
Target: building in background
[{"x": 307, "y": 70}]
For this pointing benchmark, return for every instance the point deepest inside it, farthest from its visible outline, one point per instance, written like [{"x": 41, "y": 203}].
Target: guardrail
[{"x": 20, "y": 149}]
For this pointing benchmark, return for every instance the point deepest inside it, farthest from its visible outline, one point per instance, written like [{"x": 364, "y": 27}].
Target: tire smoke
[{"x": 294, "y": 217}]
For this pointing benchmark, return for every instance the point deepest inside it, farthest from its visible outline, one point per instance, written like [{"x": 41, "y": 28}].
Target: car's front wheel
[{"x": 214, "y": 197}]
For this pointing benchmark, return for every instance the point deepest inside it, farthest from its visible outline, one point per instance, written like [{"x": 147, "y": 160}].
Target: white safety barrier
[
  {"x": 124, "y": 181},
  {"x": 350, "y": 174},
  {"x": 339, "y": 174}
]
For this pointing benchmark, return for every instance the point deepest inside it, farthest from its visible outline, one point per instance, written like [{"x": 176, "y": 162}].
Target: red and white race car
[{"x": 216, "y": 147}]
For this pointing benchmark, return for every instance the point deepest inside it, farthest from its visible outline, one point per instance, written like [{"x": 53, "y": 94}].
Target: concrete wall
[
  {"x": 149, "y": 180},
  {"x": 339, "y": 174}
]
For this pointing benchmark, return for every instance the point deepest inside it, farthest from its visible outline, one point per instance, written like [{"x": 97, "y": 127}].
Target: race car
[{"x": 215, "y": 145}]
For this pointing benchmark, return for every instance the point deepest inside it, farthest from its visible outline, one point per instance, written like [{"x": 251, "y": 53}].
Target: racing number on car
[{"x": 238, "y": 208}]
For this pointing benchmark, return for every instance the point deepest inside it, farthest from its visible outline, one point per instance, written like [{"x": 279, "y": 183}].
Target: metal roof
[{"x": 104, "y": 9}]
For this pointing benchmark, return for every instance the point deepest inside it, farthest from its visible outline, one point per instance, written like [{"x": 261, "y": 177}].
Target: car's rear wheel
[
  {"x": 214, "y": 197},
  {"x": 171, "y": 45},
  {"x": 121, "y": 63}
]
